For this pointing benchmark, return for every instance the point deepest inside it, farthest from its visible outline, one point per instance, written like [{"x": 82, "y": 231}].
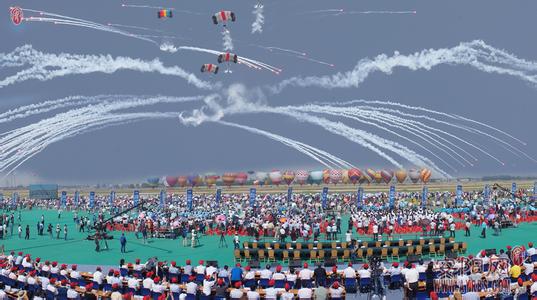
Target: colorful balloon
[
  {"x": 288, "y": 177},
  {"x": 371, "y": 173},
  {"x": 228, "y": 178},
  {"x": 316, "y": 177},
  {"x": 170, "y": 181},
  {"x": 194, "y": 180},
  {"x": 241, "y": 178},
  {"x": 210, "y": 179},
  {"x": 354, "y": 175},
  {"x": 425, "y": 175},
  {"x": 335, "y": 176},
  {"x": 261, "y": 177},
  {"x": 414, "y": 175},
  {"x": 377, "y": 177},
  {"x": 302, "y": 176},
  {"x": 182, "y": 180},
  {"x": 326, "y": 176},
  {"x": 400, "y": 175},
  {"x": 365, "y": 179},
  {"x": 153, "y": 180},
  {"x": 275, "y": 177},
  {"x": 345, "y": 176},
  {"x": 386, "y": 175}
]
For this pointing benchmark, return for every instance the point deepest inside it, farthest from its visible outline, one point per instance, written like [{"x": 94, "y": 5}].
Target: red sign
[{"x": 16, "y": 15}]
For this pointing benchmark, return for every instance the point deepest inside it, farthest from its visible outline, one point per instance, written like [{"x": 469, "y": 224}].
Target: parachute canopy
[
  {"x": 16, "y": 15},
  {"x": 223, "y": 17},
  {"x": 165, "y": 13},
  {"x": 228, "y": 57},
  {"x": 209, "y": 68}
]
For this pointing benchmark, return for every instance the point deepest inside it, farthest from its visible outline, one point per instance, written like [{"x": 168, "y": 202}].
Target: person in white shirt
[
  {"x": 44, "y": 282},
  {"x": 157, "y": 287},
  {"x": 31, "y": 278},
  {"x": 349, "y": 272},
  {"x": 191, "y": 287},
  {"x": 252, "y": 294},
  {"x": 236, "y": 293},
  {"x": 208, "y": 284},
  {"x": 278, "y": 275},
  {"x": 210, "y": 270},
  {"x": 250, "y": 274},
  {"x": 174, "y": 287},
  {"x": 335, "y": 290},
  {"x": 74, "y": 273},
  {"x": 271, "y": 293},
  {"x": 173, "y": 270},
  {"x": 287, "y": 295},
  {"x": 147, "y": 283},
  {"x": 266, "y": 273},
  {"x": 411, "y": 277},
  {"x": 394, "y": 270},
  {"x": 305, "y": 293},
  {"x": 348, "y": 236},
  {"x": 375, "y": 231},
  {"x": 71, "y": 292},
  {"x": 51, "y": 288},
  {"x": 531, "y": 250},
  {"x": 305, "y": 275},
  {"x": 364, "y": 272},
  {"x": 98, "y": 276},
  {"x": 200, "y": 269},
  {"x": 133, "y": 283}
]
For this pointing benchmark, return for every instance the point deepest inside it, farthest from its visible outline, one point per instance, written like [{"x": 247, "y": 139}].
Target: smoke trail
[
  {"x": 46, "y": 66},
  {"x": 162, "y": 7},
  {"x": 257, "y": 26},
  {"x": 476, "y": 54},
  {"x": 376, "y": 12},
  {"x": 227, "y": 41}
]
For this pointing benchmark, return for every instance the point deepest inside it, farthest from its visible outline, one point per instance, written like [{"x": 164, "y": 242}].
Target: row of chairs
[{"x": 392, "y": 253}]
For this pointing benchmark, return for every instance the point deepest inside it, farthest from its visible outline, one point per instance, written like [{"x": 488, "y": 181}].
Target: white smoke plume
[
  {"x": 227, "y": 41},
  {"x": 257, "y": 25},
  {"x": 46, "y": 66},
  {"x": 476, "y": 54}
]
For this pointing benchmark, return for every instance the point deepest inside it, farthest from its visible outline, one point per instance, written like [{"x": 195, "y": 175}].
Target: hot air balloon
[
  {"x": 288, "y": 177},
  {"x": 182, "y": 180},
  {"x": 377, "y": 177},
  {"x": 275, "y": 177},
  {"x": 316, "y": 177},
  {"x": 386, "y": 175},
  {"x": 335, "y": 176},
  {"x": 170, "y": 181},
  {"x": 400, "y": 175},
  {"x": 194, "y": 180},
  {"x": 301, "y": 176},
  {"x": 261, "y": 177},
  {"x": 153, "y": 180},
  {"x": 326, "y": 176},
  {"x": 365, "y": 179},
  {"x": 425, "y": 175},
  {"x": 210, "y": 179},
  {"x": 354, "y": 175},
  {"x": 345, "y": 176},
  {"x": 371, "y": 174},
  {"x": 414, "y": 175},
  {"x": 241, "y": 178},
  {"x": 228, "y": 178}
]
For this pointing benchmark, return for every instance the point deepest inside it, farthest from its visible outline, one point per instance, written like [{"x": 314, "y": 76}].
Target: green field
[{"x": 81, "y": 251}]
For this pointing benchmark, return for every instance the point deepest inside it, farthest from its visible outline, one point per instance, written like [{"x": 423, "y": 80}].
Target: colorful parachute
[
  {"x": 414, "y": 175},
  {"x": 170, "y": 181},
  {"x": 16, "y": 15},
  {"x": 288, "y": 177},
  {"x": 386, "y": 175},
  {"x": 335, "y": 176},
  {"x": 275, "y": 177},
  {"x": 182, "y": 180},
  {"x": 209, "y": 68},
  {"x": 316, "y": 177},
  {"x": 228, "y": 57},
  {"x": 228, "y": 178},
  {"x": 223, "y": 17},
  {"x": 354, "y": 175},
  {"x": 425, "y": 175},
  {"x": 301, "y": 176},
  {"x": 241, "y": 178},
  {"x": 165, "y": 13},
  {"x": 400, "y": 175}
]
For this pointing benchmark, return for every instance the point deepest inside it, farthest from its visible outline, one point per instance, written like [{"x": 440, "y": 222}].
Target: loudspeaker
[
  {"x": 254, "y": 264},
  {"x": 295, "y": 263},
  {"x": 329, "y": 262},
  {"x": 213, "y": 263},
  {"x": 413, "y": 258},
  {"x": 490, "y": 251}
]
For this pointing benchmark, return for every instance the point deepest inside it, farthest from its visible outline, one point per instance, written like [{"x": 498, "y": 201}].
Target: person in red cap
[
  {"x": 265, "y": 274},
  {"x": 137, "y": 266},
  {"x": 271, "y": 293},
  {"x": 174, "y": 286},
  {"x": 147, "y": 283},
  {"x": 305, "y": 275},
  {"x": 533, "y": 288},
  {"x": 191, "y": 287},
  {"x": 52, "y": 286},
  {"x": 157, "y": 286},
  {"x": 54, "y": 269},
  {"x": 187, "y": 268},
  {"x": 287, "y": 295},
  {"x": 364, "y": 272},
  {"x": 208, "y": 284},
  {"x": 519, "y": 288},
  {"x": 236, "y": 293},
  {"x": 349, "y": 272},
  {"x": 200, "y": 268},
  {"x": 220, "y": 291},
  {"x": 336, "y": 291},
  {"x": 116, "y": 294},
  {"x": 173, "y": 270},
  {"x": 74, "y": 272},
  {"x": 278, "y": 275},
  {"x": 71, "y": 292},
  {"x": 531, "y": 252}
]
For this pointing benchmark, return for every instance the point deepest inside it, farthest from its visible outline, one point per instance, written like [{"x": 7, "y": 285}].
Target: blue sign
[
  {"x": 290, "y": 194},
  {"x": 14, "y": 199},
  {"x": 64, "y": 198},
  {"x": 136, "y": 197},
  {"x": 458, "y": 195},
  {"x": 189, "y": 199},
  {"x": 513, "y": 190},
  {"x": 91, "y": 199},
  {"x": 218, "y": 196},
  {"x": 253, "y": 194},
  {"x": 392, "y": 196},
  {"x": 535, "y": 190},
  {"x": 162, "y": 198},
  {"x": 1, "y": 196},
  {"x": 324, "y": 197},
  {"x": 486, "y": 193},
  {"x": 77, "y": 197},
  {"x": 360, "y": 197},
  {"x": 111, "y": 198},
  {"x": 424, "y": 196}
]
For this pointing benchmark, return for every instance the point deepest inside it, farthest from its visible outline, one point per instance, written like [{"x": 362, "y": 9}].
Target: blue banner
[
  {"x": 1, "y": 196},
  {"x": 14, "y": 198},
  {"x": 253, "y": 195},
  {"x": 391, "y": 196},
  {"x": 218, "y": 196},
  {"x": 360, "y": 197},
  {"x": 162, "y": 198},
  {"x": 189, "y": 199},
  {"x": 77, "y": 198},
  {"x": 486, "y": 193},
  {"x": 513, "y": 190},
  {"x": 91, "y": 199},
  {"x": 111, "y": 199},
  {"x": 424, "y": 196},
  {"x": 535, "y": 190},
  {"x": 324, "y": 197},
  {"x": 63, "y": 199},
  {"x": 136, "y": 198},
  {"x": 458, "y": 195},
  {"x": 289, "y": 194}
]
